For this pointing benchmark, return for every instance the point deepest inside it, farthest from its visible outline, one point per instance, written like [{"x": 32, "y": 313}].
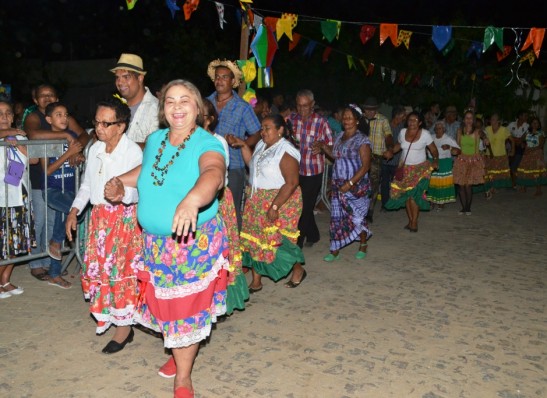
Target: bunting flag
[
  {"x": 351, "y": 63},
  {"x": 529, "y": 56},
  {"x": 326, "y": 54},
  {"x": 493, "y": 35},
  {"x": 220, "y": 12},
  {"x": 285, "y": 25},
  {"x": 271, "y": 23},
  {"x": 475, "y": 47},
  {"x": 130, "y": 4},
  {"x": 388, "y": 30},
  {"x": 363, "y": 65},
  {"x": 295, "y": 40},
  {"x": 308, "y": 51},
  {"x": 449, "y": 47},
  {"x": 383, "y": 72},
  {"x": 503, "y": 54},
  {"x": 172, "y": 5},
  {"x": 330, "y": 29},
  {"x": 535, "y": 37},
  {"x": 370, "y": 69},
  {"x": 404, "y": 37},
  {"x": 367, "y": 31},
  {"x": 257, "y": 21},
  {"x": 393, "y": 76},
  {"x": 189, "y": 7},
  {"x": 441, "y": 36}
]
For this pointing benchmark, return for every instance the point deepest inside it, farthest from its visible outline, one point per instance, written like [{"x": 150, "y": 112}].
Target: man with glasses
[
  {"x": 142, "y": 103},
  {"x": 236, "y": 118},
  {"x": 309, "y": 128}
]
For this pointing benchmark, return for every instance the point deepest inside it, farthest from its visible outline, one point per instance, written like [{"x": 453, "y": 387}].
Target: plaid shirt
[
  {"x": 314, "y": 128},
  {"x": 379, "y": 129},
  {"x": 237, "y": 118}
]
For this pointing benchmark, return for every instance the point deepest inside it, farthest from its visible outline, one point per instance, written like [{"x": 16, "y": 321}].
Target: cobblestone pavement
[{"x": 455, "y": 310}]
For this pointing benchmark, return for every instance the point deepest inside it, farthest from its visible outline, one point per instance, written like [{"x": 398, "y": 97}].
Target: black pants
[
  {"x": 387, "y": 174},
  {"x": 310, "y": 186}
]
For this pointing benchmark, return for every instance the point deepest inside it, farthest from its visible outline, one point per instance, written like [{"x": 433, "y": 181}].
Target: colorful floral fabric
[
  {"x": 18, "y": 239},
  {"x": 531, "y": 171},
  {"x": 413, "y": 185},
  {"x": 468, "y": 170},
  {"x": 261, "y": 239},
  {"x": 184, "y": 283},
  {"x": 109, "y": 273},
  {"x": 238, "y": 292},
  {"x": 498, "y": 174}
]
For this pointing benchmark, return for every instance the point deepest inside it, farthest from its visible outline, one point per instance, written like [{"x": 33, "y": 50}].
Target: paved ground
[{"x": 455, "y": 310}]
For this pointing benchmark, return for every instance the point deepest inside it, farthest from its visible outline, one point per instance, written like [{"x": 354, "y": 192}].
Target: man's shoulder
[{"x": 149, "y": 98}]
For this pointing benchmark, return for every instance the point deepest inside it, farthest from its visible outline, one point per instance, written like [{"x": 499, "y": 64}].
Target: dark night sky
[{"x": 78, "y": 29}]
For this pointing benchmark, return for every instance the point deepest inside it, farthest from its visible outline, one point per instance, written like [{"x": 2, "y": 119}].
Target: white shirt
[
  {"x": 417, "y": 152},
  {"x": 444, "y": 140},
  {"x": 101, "y": 167},
  {"x": 145, "y": 120},
  {"x": 227, "y": 153},
  {"x": 517, "y": 131},
  {"x": 264, "y": 166},
  {"x": 15, "y": 194}
]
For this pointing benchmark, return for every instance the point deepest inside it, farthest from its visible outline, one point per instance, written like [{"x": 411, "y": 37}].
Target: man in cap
[
  {"x": 144, "y": 106},
  {"x": 310, "y": 129},
  {"x": 235, "y": 118},
  {"x": 381, "y": 139}
]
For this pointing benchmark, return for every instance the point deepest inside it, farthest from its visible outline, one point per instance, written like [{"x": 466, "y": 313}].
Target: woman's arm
[
  {"x": 435, "y": 153},
  {"x": 212, "y": 169},
  {"x": 365, "y": 155},
  {"x": 289, "y": 170},
  {"x": 246, "y": 150}
]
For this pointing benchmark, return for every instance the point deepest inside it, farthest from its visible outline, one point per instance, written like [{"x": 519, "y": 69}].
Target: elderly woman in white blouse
[
  {"x": 114, "y": 245},
  {"x": 272, "y": 210}
]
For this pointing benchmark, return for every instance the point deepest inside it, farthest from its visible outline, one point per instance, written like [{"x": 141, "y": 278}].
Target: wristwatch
[{"x": 275, "y": 207}]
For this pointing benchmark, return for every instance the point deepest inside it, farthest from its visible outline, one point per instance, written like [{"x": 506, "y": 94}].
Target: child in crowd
[{"x": 60, "y": 188}]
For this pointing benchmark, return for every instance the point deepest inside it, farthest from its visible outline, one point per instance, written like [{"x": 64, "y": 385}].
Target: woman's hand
[
  {"x": 272, "y": 214},
  {"x": 234, "y": 141},
  {"x": 317, "y": 147},
  {"x": 71, "y": 223},
  {"x": 185, "y": 219},
  {"x": 345, "y": 187},
  {"x": 435, "y": 164},
  {"x": 388, "y": 154},
  {"x": 114, "y": 190}
]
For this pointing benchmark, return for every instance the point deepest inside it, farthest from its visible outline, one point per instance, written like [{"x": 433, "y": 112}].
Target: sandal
[
  {"x": 361, "y": 254},
  {"x": 329, "y": 258},
  {"x": 292, "y": 284},
  {"x": 54, "y": 250},
  {"x": 15, "y": 291},
  {"x": 40, "y": 274},
  {"x": 60, "y": 282}
]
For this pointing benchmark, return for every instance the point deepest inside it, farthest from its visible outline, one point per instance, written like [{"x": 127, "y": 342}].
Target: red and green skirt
[
  {"x": 531, "y": 171},
  {"x": 413, "y": 186}
]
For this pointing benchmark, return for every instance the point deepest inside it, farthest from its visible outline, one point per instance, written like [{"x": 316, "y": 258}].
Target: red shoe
[
  {"x": 169, "y": 369},
  {"x": 183, "y": 392}
]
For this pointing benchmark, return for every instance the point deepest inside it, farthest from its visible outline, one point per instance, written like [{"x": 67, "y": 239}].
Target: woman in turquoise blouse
[{"x": 185, "y": 245}]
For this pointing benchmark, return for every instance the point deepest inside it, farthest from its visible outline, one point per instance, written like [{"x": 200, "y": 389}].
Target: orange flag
[
  {"x": 189, "y": 7},
  {"x": 295, "y": 39},
  {"x": 388, "y": 30},
  {"x": 535, "y": 37},
  {"x": 506, "y": 51}
]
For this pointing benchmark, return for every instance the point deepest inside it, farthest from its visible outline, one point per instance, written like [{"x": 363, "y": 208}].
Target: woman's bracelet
[{"x": 350, "y": 183}]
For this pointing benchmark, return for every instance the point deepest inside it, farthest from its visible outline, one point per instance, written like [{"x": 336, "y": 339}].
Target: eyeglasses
[
  {"x": 104, "y": 125},
  {"x": 223, "y": 77}
]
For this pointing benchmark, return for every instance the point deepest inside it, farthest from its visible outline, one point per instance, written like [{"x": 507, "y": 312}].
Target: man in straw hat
[
  {"x": 381, "y": 139},
  {"x": 130, "y": 73},
  {"x": 235, "y": 118}
]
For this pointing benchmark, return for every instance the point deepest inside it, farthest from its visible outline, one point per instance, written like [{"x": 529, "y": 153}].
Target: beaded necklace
[{"x": 162, "y": 170}]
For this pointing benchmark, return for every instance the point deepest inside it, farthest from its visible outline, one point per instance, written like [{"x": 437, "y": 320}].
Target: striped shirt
[{"x": 314, "y": 128}]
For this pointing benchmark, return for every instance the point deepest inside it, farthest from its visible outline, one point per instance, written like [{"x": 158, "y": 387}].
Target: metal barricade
[{"x": 38, "y": 149}]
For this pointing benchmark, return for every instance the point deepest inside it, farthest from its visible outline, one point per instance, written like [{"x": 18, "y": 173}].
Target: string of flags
[{"x": 268, "y": 31}]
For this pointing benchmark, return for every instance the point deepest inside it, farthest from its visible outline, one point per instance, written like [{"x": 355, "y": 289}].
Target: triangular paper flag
[
  {"x": 363, "y": 65},
  {"x": 530, "y": 57},
  {"x": 351, "y": 64},
  {"x": 308, "y": 51},
  {"x": 404, "y": 37},
  {"x": 172, "y": 5},
  {"x": 271, "y": 23},
  {"x": 326, "y": 54},
  {"x": 388, "y": 30},
  {"x": 295, "y": 40},
  {"x": 285, "y": 25},
  {"x": 367, "y": 31},
  {"x": 493, "y": 35},
  {"x": 130, "y": 4},
  {"x": 220, "y": 12},
  {"x": 189, "y": 7},
  {"x": 535, "y": 37},
  {"x": 441, "y": 36},
  {"x": 506, "y": 51},
  {"x": 475, "y": 47},
  {"x": 330, "y": 29},
  {"x": 257, "y": 21},
  {"x": 370, "y": 69},
  {"x": 449, "y": 47}
]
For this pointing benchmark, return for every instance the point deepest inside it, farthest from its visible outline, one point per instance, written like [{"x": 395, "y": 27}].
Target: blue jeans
[
  {"x": 61, "y": 202},
  {"x": 43, "y": 231}
]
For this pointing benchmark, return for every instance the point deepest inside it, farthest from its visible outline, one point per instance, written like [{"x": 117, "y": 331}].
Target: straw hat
[
  {"x": 213, "y": 65},
  {"x": 130, "y": 62}
]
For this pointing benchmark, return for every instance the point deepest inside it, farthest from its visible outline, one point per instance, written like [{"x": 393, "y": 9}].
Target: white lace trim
[
  {"x": 192, "y": 288},
  {"x": 187, "y": 339}
]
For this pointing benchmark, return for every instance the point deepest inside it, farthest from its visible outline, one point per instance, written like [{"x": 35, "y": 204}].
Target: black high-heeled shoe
[{"x": 113, "y": 346}]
